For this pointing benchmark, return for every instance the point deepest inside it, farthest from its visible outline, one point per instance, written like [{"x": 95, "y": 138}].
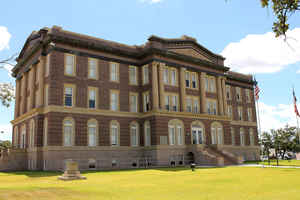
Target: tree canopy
[{"x": 283, "y": 10}]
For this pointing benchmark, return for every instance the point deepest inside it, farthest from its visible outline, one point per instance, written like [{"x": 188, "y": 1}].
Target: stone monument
[{"x": 71, "y": 172}]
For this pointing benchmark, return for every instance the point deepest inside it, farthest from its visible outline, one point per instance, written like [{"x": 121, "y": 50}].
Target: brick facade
[{"x": 50, "y": 49}]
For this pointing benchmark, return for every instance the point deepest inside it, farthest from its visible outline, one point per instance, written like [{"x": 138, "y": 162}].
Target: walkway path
[{"x": 272, "y": 166}]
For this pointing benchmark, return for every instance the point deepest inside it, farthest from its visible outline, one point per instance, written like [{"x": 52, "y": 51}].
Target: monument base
[{"x": 72, "y": 172}]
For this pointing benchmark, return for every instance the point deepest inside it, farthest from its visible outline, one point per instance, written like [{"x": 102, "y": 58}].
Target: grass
[
  {"x": 274, "y": 162},
  {"x": 228, "y": 183}
]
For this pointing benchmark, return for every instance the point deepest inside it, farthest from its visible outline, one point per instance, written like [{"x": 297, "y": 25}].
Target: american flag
[
  {"x": 295, "y": 104},
  {"x": 256, "y": 92}
]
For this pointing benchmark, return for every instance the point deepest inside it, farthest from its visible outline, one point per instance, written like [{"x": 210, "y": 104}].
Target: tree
[
  {"x": 266, "y": 142},
  {"x": 6, "y": 89},
  {"x": 283, "y": 10},
  {"x": 5, "y": 144}
]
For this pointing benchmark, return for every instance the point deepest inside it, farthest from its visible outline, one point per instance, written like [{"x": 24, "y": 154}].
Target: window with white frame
[
  {"x": 147, "y": 131},
  {"x": 70, "y": 65},
  {"x": 114, "y": 100},
  {"x": 179, "y": 135},
  {"x": 189, "y": 104},
  {"x": 16, "y": 135},
  {"x": 211, "y": 106},
  {"x": 242, "y": 137},
  {"x": 92, "y": 97},
  {"x": 69, "y": 96},
  {"x": 133, "y": 75},
  {"x": 174, "y": 103},
  {"x": 213, "y": 135},
  {"x": 92, "y": 68},
  {"x": 197, "y": 134},
  {"x": 248, "y": 99},
  {"x": 173, "y": 76},
  {"x": 228, "y": 92},
  {"x": 229, "y": 107},
  {"x": 212, "y": 84},
  {"x": 114, "y": 134},
  {"x": 68, "y": 132},
  {"x": 114, "y": 72},
  {"x": 92, "y": 133},
  {"x": 187, "y": 79},
  {"x": 134, "y": 135},
  {"x": 196, "y": 106},
  {"x": 171, "y": 135},
  {"x": 46, "y": 98},
  {"x": 194, "y": 80},
  {"x": 133, "y": 101},
  {"x": 23, "y": 137},
  {"x": 167, "y": 102},
  {"x": 145, "y": 74},
  {"x": 45, "y": 135},
  {"x": 146, "y": 102},
  {"x": 249, "y": 114},
  {"x": 166, "y": 75},
  {"x": 216, "y": 133},
  {"x": 238, "y": 94},
  {"x": 31, "y": 134},
  {"x": 240, "y": 113}
]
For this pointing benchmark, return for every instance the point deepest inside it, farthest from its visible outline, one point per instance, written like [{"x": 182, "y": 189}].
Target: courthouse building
[{"x": 108, "y": 105}]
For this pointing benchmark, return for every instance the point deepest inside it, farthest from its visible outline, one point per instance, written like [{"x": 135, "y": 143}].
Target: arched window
[
  {"x": 92, "y": 133},
  {"x": 176, "y": 132},
  {"x": 45, "y": 131},
  {"x": 251, "y": 137},
  {"x": 197, "y": 136},
  {"x": 114, "y": 133},
  {"x": 242, "y": 137},
  {"x": 16, "y": 135},
  {"x": 217, "y": 133},
  {"x": 23, "y": 137},
  {"x": 68, "y": 132},
  {"x": 147, "y": 133},
  {"x": 31, "y": 134},
  {"x": 134, "y": 134}
]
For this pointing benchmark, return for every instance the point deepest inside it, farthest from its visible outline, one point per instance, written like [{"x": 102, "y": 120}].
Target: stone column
[
  {"x": 161, "y": 86},
  {"x": 202, "y": 92},
  {"x": 220, "y": 96},
  {"x": 17, "y": 102},
  {"x": 224, "y": 96},
  {"x": 32, "y": 87},
  {"x": 182, "y": 89},
  {"x": 24, "y": 93},
  {"x": 155, "y": 94}
]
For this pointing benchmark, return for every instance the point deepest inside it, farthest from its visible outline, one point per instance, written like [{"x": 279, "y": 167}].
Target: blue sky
[{"x": 235, "y": 29}]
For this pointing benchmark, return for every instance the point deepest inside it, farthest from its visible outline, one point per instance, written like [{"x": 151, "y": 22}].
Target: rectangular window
[
  {"x": 69, "y": 64},
  {"x": 69, "y": 96},
  {"x": 248, "y": 99},
  {"x": 187, "y": 79},
  {"x": 167, "y": 102},
  {"x": 166, "y": 75},
  {"x": 173, "y": 77},
  {"x": 132, "y": 75},
  {"x": 232, "y": 136},
  {"x": 171, "y": 135},
  {"x": 145, "y": 74},
  {"x": 188, "y": 104},
  {"x": 249, "y": 112},
  {"x": 45, "y": 132},
  {"x": 114, "y": 100},
  {"x": 214, "y": 107},
  {"x": 238, "y": 94},
  {"x": 92, "y": 68},
  {"x": 114, "y": 135},
  {"x": 146, "y": 102},
  {"x": 196, "y": 106},
  {"x": 228, "y": 92},
  {"x": 208, "y": 107},
  {"x": 92, "y": 136},
  {"x": 240, "y": 113},
  {"x": 229, "y": 111},
  {"x": 114, "y": 72},
  {"x": 194, "y": 80},
  {"x": 92, "y": 97},
  {"x": 179, "y": 135},
  {"x": 212, "y": 85},
  {"x": 174, "y": 103},
  {"x": 206, "y": 84},
  {"x": 133, "y": 102}
]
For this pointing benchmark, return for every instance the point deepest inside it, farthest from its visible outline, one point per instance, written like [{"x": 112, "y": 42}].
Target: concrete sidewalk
[{"x": 270, "y": 166}]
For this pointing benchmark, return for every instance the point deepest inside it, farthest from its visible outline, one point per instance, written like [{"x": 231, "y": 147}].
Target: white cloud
[
  {"x": 274, "y": 117},
  {"x": 263, "y": 53},
  {"x": 5, "y": 131},
  {"x": 151, "y": 1},
  {"x": 4, "y": 38},
  {"x": 298, "y": 72}
]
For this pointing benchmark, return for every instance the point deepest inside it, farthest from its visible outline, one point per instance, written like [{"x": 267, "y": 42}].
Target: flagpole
[
  {"x": 258, "y": 117},
  {"x": 295, "y": 104}
]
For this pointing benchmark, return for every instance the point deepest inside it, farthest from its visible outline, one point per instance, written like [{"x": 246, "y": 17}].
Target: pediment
[{"x": 192, "y": 52}]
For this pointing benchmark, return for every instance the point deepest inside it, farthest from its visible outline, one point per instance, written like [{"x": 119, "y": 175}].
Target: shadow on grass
[{"x": 35, "y": 174}]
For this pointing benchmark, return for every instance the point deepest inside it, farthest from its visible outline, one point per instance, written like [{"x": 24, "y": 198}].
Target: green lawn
[
  {"x": 228, "y": 183},
  {"x": 274, "y": 162}
]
